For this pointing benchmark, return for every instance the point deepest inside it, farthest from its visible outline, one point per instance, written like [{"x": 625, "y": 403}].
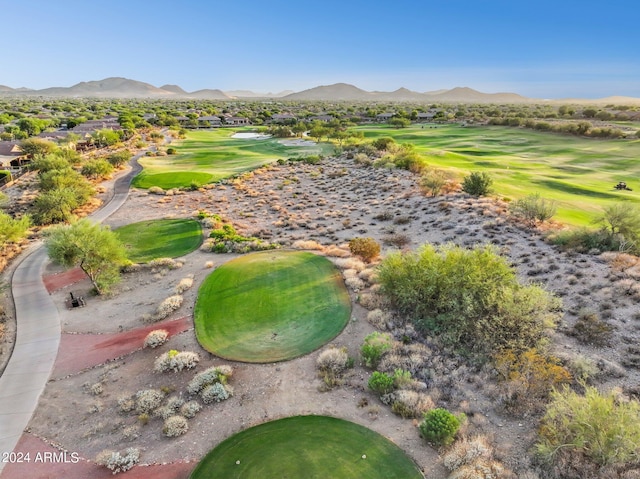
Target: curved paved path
[{"x": 38, "y": 332}]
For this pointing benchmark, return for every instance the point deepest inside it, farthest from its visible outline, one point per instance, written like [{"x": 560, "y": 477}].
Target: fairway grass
[
  {"x": 579, "y": 173},
  {"x": 309, "y": 447},
  {"x": 206, "y": 156},
  {"x": 271, "y": 306},
  {"x": 149, "y": 240}
]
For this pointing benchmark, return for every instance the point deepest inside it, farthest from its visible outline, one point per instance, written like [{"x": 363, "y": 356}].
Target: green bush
[
  {"x": 477, "y": 183},
  {"x": 470, "y": 298},
  {"x": 375, "y": 344},
  {"x": 533, "y": 208},
  {"x": 381, "y": 383},
  {"x": 13, "y": 230},
  {"x": 594, "y": 428},
  {"x": 54, "y": 206},
  {"x": 381, "y": 144},
  {"x": 439, "y": 426}
]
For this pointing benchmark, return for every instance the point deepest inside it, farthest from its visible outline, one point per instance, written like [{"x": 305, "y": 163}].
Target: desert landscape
[{"x": 318, "y": 208}]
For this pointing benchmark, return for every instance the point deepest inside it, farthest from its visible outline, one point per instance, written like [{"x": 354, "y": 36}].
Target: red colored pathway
[
  {"x": 81, "y": 351},
  {"x": 47, "y": 462}
]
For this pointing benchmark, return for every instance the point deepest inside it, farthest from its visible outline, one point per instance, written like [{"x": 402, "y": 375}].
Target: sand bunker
[{"x": 250, "y": 136}]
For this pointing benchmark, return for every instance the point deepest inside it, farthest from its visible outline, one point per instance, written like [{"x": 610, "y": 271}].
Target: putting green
[
  {"x": 307, "y": 447},
  {"x": 271, "y": 306},
  {"x": 154, "y": 239}
]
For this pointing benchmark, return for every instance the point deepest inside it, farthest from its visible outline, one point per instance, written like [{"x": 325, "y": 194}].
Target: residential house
[
  {"x": 384, "y": 117},
  {"x": 322, "y": 118},
  {"x": 237, "y": 120},
  {"x": 11, "y": 156},
  {"x": 283, "y": 118},
  {"x": 209, "y": 121}
]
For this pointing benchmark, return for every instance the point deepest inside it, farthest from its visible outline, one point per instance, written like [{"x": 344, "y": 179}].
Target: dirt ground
[{"x": 329, "y": 203}]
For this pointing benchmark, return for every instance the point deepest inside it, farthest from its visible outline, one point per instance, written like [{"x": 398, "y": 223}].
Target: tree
[
  {"x": 399, "y": 122},
  {"x": 13, "y": 230},
  {"x": 97, "y": 169},
  {"x": 622, "y": 222},
  {"x": 93, "y": 247},
  {"x": 37, "y": 147}
]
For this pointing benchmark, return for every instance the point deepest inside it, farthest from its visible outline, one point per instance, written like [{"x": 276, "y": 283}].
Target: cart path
[
  {"x": 38, "y": 332},
  {"x": 83, "y": 351},
  {"x": 56, "y": 281}
]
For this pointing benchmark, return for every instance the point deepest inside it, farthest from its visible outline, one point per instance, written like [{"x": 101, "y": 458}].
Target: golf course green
[
  {"x": 271, "y": 306},
  {"x": 149, "y": 240},
  {"x": 579, "y": 173},
  {"x": 205, "y": 156},
  {"x": 309, "y": 447}
]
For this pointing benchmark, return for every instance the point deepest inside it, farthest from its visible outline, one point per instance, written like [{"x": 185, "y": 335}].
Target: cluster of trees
[{"x": 580, "y": 128}]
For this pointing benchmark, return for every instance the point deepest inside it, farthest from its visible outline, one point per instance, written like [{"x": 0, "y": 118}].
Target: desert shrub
[
  {"x": 148, "y": 399},
  {"x": 467, "y": 451},
  {"x": 398, "y": 240},
  {"x": 215, "y": 392},
  {"x": 434, "y": 180},
  {"x": 156, "y": 338},
  {"x": 184, "y": 285},
  {"x": 482, "y": 468},
  {"x": 168, "y": 306},
  {"x": 470, "y": 298},
  {"x": 307, "y": 244},
  {"x": 117, "y": 462},
  {"x": 176, "y": 361},
  {"x": 156, "y": 190},
  {"x": 175, "y": 426},
  {"x": 381, "y": 383},
  {"x": 533, "y": 208},
  {"x": 356, "y": 284},
  {"x": 477, "y": 183},
  {"x": 131, "y": 433},
  {"x": 96, "y": 169},
  {"x": 527, "y": 379},
  {"x": 212, "y": 375},
  {"x": 590, "y": 329},
  {"x": 190, "y": 409},
  {"x": 439, "y": 426},
  {"x": 332, "y": 363},
  {"x": 378, "y": 318},
  {"x": 582, "y": 367},
  {"x": 126, "y": 403},
  {"x": 383, "y": 143},
  {"x": 366, "y": 248},
  {"x": 594, "y": 428},
  {"x": 165, "y": 263},
  {"x": 410, "y": 404},
  {"x": 375, "y": 344}
]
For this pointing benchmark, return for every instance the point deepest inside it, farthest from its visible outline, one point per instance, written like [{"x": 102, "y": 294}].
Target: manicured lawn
[
  {"x": 577, "y": 172},
  {"x": 308, "y": 447},
  {"x": 174, "y": 179},
  {"x": 216, "y": 154},
  {"x": 153, "y": 239},
  {"x": 271, "y": 306}
]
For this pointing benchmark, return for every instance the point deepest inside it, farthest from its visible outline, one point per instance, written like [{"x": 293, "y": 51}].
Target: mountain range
[{"x": 117, "y": 87}]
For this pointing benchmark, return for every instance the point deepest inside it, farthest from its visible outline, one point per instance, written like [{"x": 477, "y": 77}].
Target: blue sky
[{"x": 541, "y": 49}]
